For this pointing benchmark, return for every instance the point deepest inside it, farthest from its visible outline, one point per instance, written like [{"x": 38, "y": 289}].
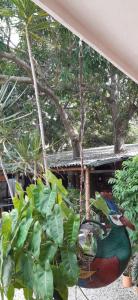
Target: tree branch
[
  {"x": 11, "y": 56},
  {"x": 22, "y": 79},
  {"x": 72, "y": 132}
]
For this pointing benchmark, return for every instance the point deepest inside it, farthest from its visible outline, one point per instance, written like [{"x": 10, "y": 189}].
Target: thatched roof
[{"x": 93, "y": 157}]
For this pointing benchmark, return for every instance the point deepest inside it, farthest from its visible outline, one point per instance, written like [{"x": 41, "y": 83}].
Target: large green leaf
[
  {"x": 23, "y": 231},
  {"x": 6, "y": 232},
  {"x": 7, "y": 272},
  {"x": 19, "y": 189},
  {"x": 71, "y": 229},
  {"x": 54, "y": 225},
  {"x": 43, "y": 282},
  {"x": 10, "y": 292},
  {"x": 25, "y": 270},
  {"x": 28, "y": 294},
  {"x": 18, "y": 199},
  {"x": 18, "y": 203},
  {"x": 69, "y": 266},
  {"x": 30, "y": 193},
  {"x": 44, "y": 200},
  {"x": 62, "y": 292},
  {"x": 65, "y": 210},
  {"x": 59, "y": 283},
  {"x": 36, "y": 239},
  {"x": 55, "y": 181},
  {"x": 100, "y": 204},
  {"x": 14, "y": 217},
  {"x": 48, "y": 251},
  {"x": 52, "y": 200}
]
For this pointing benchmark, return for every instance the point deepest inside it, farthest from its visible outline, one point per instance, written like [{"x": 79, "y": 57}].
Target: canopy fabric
[{"x": 109, "y": 26}]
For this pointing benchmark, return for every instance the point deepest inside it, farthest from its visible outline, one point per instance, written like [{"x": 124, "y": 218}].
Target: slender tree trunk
[
  {"x": 6, "y": 177},
  {"x": 75, "y": 147},
  {"x": 119, "y": 137},
  {"x": 37, "y": 100}
]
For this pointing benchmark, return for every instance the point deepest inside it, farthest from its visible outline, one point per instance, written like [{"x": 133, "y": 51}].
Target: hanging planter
[{"x": 100, "y": 255}]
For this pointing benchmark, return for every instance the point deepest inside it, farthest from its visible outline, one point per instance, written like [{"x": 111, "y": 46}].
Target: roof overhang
[{"x": 110, "y": 27}]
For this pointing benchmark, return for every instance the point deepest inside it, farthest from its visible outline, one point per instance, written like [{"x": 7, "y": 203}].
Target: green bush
[
  {"x": 74, "y": 198},
  {"x": 38, "y": 243},
  {"x": 125, "y": 190}
]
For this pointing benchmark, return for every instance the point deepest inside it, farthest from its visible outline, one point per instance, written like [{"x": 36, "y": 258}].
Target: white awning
[{"x": 108, "y": 26}]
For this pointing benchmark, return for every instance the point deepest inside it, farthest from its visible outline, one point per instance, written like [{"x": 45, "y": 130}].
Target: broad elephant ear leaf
[
  {"x": 59, "y": 283},
  {"x": 7, "y": 270},
  {"x": 100, "y": 204},
  {"x": 10, "y": 292},
  {"x": 48, "y": 251},
  {"x": 6, "y": 232},
  {"x": 43, "y": 281},
  {"x": 44, "y": 200},
  {"x": 51, "y": 178},
  {"x": 54, "y": 226},
  {"x": 71, "y": 228},
  {"x": 23, "y": 231},
  {"x": 69, "y": 266},
  {"x": 25, "y": 270},
  {"x": 28, "y": 294},
  {"x": 36, "y": 239}
]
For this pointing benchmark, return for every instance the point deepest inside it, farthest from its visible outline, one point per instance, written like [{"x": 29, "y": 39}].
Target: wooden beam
[
  {"x": 66, "y": 170},
  {"x": 101, "y": 171},
  {"x": 87, "y": 192},
  {"x": 78, "y": 169}
]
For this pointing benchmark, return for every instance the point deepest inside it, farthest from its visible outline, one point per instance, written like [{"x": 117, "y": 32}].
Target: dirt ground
[{"x": 114, "y": 291}]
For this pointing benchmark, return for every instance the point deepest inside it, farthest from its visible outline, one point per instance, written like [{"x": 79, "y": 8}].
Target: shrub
[
  {"x": 125, "y": 190},
  {"x": 38, "y": 243}
]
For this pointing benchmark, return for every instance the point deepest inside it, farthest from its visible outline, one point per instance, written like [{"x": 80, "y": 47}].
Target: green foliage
[
  {"x": 39, "y": 242},
  {"x": 74, "y": 197},
  {"x": 56, "y": 63},
  {"x": 125, "y": 189},
  {"x": 100, "y": 204}
]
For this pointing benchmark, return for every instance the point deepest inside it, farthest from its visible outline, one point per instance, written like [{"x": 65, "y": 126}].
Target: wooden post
[{"x": 87, "y": 193}]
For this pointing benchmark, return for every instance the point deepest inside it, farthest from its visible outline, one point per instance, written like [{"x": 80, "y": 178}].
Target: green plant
[
  {"x": 74, "y": 198},
  {"x": 125, "y": 189},
  {"x": 38, "y": 243}
]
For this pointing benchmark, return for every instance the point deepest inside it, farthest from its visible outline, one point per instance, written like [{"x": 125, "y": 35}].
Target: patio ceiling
[{"x": 110, "y": 27}]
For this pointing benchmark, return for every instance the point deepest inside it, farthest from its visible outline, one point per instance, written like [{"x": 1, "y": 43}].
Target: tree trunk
[
  {"x": 118, "y": 142},
  {"x": 76, "y": 148},
  {"x": 119, "y": 136},
  {"x": 37, "y": 101}
]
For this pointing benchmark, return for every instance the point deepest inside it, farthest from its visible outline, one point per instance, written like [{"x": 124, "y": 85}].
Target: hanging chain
[
  {"x": 82, "y": 122},
  {"x": 83, "y": 293}
]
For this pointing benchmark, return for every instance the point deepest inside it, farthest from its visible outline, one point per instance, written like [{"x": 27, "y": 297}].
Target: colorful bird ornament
[{"x": 105, "y": 249}]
